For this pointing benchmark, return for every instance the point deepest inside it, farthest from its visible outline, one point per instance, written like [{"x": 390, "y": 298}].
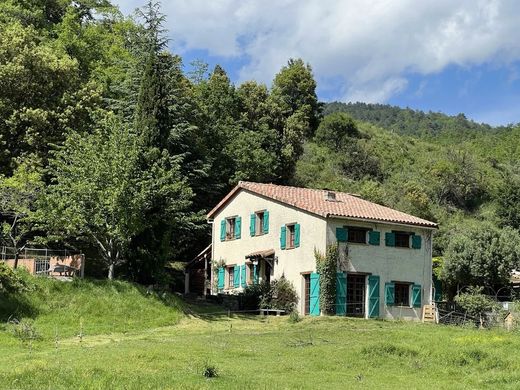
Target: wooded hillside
[{"x": 110, "y": 145}]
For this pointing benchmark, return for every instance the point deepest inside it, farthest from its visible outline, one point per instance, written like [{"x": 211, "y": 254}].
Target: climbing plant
[{"x": 326, "y": 266}]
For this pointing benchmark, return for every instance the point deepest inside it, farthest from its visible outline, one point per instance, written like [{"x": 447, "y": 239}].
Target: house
[{"x": 263, "y": 231}]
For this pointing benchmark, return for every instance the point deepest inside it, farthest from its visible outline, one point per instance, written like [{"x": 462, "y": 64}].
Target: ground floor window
[
  {"x": 402, "y": 294},
  {"x": 230, "y": 277}
]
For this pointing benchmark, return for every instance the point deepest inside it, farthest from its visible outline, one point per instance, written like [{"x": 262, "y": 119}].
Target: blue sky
[{"x": 437, "y": 55}]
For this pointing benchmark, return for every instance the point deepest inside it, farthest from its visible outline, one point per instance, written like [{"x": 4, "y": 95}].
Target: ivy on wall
[{"x": 326, "y": 265}]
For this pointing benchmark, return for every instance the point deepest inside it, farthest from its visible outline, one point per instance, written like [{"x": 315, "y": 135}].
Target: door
[
  {"x": 306, "y": 294},
  {"x": 356, "y": 286}
]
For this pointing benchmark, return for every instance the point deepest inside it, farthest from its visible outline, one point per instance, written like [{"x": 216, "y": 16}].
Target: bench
[{"x": 271, "y": 311}]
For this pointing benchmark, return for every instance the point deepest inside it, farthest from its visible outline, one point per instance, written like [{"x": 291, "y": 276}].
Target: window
[
  {"x": 230, "y": 277},
  {"x": 402, "y": 294},
  {"x": 402, "y": 239},
  {"x": 259, "y": 229},
  {"x": 307, "y": 293},
  {"x": 357, "y": 235},
  {"x": 250, "y": 273},
  {"x": 230, "y": 228},
  {"x": 290, "y": 237}
]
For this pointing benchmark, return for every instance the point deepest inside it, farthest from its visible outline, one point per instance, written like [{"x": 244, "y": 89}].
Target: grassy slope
[
  {"x": 272, "y": 353},
  {"x": 93, "y": 307}
]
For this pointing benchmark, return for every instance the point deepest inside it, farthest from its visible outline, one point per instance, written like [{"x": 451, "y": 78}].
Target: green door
[
  {"x": 373, "y": 296},
  {"x": 341, "y": 294},
  {"x": 315, "y": 295}
]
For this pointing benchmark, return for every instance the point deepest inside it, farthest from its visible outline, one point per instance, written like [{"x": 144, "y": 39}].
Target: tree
[
  {"x": 97, "y": 192},
  {"x": 508, "y": 202},
  {"x": 334, "y": 129},
  {"x": 18, "y": 196},
  {"x": 481, "y": 255}
]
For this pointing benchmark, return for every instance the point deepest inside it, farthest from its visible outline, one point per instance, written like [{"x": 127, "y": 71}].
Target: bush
[
  {"x": 209, "y": 370},
  {"x": 476, "y": 304},
  {"x": 327, "y": 267},
  {"x": 281, "y": 296},
  {"x": 252, "y": 295},
  {"x": 10, "y": 280}
]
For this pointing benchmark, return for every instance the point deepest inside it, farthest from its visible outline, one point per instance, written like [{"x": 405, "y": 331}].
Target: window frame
[
  {"x": 290, "y": 235},
  {"x": 401, "y": 234},
  {"x": 230, "y": 277},
  {"x": 403, "y": 287},
  {"x": 259, "y": 223},
  {"x": 357, "y": 228},
  {"x": 250, "y": 273},
  {"x": 230, "y": 228}
]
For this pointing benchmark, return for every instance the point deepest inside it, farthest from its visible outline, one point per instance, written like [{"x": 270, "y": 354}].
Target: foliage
[
  {"x": 508, "y": 202},
  {"x": 253, "y": 295},
  {"x": 481, "y": 255},
  {"x": 11, "y": 281},
  {"x": 326, "y": 266},
  {"x": 475, "y": 302},
  {"x": 209, "y": 370},
  {"x": 335, "y": 129},
  {"x": 281, "y": 295}
]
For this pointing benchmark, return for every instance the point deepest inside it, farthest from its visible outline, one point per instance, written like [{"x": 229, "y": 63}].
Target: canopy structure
[{"x": 261, "y": 254}]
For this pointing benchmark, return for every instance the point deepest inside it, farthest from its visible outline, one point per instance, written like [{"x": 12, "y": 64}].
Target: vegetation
[
  {"x": 321, "y": 352},
  {"x": 475, "y": 303},
  {"x": 10, "y": 281},
  {"x": 281, "y": 295},
  {"x": 327, "y": 267}
]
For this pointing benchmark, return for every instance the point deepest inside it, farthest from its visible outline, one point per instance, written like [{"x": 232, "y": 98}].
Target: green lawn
[{"x": 251, "y": 352}]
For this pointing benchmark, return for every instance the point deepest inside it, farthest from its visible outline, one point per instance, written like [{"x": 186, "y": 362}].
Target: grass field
[{"x": 141, "y": 352}]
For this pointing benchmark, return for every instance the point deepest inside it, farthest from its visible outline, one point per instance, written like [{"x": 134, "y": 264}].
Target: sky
[{"x": 434, "y": 55}]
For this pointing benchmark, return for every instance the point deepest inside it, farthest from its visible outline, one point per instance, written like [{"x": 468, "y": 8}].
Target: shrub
[
  {"x": 282, "y": 296},
  {"x": 476, "y": 304},
  {"x": 252, "y": 295},
  {"x": 327, "y": 267},
  {"x": 10, "y": 281},
  {"x": 294, "y": 317},
  {"x": 209, "y": 370}
]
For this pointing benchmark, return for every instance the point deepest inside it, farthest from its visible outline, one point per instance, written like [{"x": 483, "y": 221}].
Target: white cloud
[{"x": 368, "y": 45}]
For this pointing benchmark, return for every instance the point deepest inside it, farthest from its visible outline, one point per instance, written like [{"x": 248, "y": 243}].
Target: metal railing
[{"x": 8, "y": 253}]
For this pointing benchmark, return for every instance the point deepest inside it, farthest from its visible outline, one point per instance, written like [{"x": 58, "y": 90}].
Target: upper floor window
[
  {"x": 230, "y": 228},
  {"x": 402, "y": 239},
  {"x": 357, "y": 235},
  {"x": 259, "y": 223},
  {"x": 290, "y": 237}
]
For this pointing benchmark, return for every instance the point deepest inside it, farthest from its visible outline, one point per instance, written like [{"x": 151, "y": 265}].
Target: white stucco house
[{"x": 263, "y": 231}]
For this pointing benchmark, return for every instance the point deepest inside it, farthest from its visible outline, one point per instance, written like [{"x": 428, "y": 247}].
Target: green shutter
[
  {"x": 341, "y": 234},
  {"x": 416, "y": 295},
  {"x": 220, "y": 284},
  {"x": 255, "y": 274},
  {"x": 252, "y": 225},
  {"x": 314, "y": 297},
  {"x": 283, "y": 237},
  {"x": 390, "y": 239},
  {"x": 297, "y": 235},
  {"x": 236, "y": 277},
  {"x": 243, "y": 275},
  {"x": 266, "y": 222},
  {"x": 389, "y": 293},
  {"x": 373, "y": 296},
  {"x": 238, "y": 227},
  {"x": 374, "y": 237},
  {"x": 341, "y": 294},
  {"x": 416, "y": 242},
  {"x": 223, "y": 230}
]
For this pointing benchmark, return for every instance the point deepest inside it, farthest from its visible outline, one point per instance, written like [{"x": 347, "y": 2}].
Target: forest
[{"x": 111, "y": 145}]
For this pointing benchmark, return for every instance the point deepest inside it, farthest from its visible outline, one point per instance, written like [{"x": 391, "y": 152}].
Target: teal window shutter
[
  {"x": 374, "y": 237},
  {"x": 243, "y": 275},
  {"x": 341, "y": 234},
  {"x": 341, "y": 294},
  {"x": 236, "y": 276},
  {"x": 389, "y": 239},
  {"x": 283, "y": 237},
  {"x": 416, "y": 242},
  {"x": 416, "y": 295},
  {"x": 266, "y": 222},
  {"x": 252, "y": 225},
  {"x": 314, "y": 297},
  {"x": 223, "y": 230},
  {"x": 255, "y": 274},
  {"x": 389, "y": 293},
  {"x": 221, "y": 274},
  {"x": 297, "y": 235},
  {"x": 238, "y": 227},
  {"x": 373, "y": 296}
]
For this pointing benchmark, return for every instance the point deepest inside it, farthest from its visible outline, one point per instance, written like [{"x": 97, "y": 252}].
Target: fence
[{"x": 50, "y": 262}]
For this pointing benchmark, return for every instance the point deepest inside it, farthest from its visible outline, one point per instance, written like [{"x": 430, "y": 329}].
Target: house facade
[{"x": 261, "y": 232}]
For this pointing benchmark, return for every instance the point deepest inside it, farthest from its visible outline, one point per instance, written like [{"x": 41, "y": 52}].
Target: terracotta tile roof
[{"x": 315, "y": 201}]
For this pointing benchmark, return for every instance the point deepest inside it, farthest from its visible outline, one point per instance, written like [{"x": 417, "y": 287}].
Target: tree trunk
[
  {"x": 111, "y": 271},
  {"x": 16, "y": 255}
]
